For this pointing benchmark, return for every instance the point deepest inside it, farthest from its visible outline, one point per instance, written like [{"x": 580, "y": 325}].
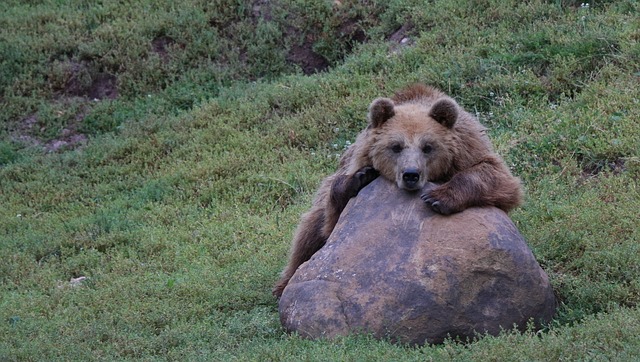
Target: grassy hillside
[{"x": 155, "y": 159}]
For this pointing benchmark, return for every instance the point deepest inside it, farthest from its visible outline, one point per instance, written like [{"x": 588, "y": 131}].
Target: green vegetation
[{"x": 155, "y": 158}]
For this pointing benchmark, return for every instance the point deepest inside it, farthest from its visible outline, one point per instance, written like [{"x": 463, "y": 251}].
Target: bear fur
[{"x": 422, "y": 140}]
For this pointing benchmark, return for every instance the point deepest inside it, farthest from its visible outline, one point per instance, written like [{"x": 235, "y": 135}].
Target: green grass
[{"x": 208, "y": 142}]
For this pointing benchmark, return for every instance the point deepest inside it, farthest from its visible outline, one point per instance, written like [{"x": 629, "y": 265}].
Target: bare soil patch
[
  {"x": 309, "y": 61},
  {"x": 160, "y": 46},
  {"x": 76, "y": 86},
  {"x": 594, "y": 168}
]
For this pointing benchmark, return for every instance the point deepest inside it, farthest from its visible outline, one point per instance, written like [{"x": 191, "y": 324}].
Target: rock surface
[{"x": 395, "y": 269}]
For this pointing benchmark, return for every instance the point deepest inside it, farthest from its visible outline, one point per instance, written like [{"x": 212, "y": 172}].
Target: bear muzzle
[{"x": 411, "y": 179}]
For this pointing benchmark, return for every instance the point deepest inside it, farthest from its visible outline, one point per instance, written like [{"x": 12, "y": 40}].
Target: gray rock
[{"x": 396, "y": 270}]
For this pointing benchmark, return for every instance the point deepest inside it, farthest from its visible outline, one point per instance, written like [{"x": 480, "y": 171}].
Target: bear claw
[{"x": 435, "y": 204}]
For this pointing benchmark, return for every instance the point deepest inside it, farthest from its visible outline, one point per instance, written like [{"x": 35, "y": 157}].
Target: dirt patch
[
  {"x": 344, "y": 36},
  {"x": 77, "y": 79},
  {"x": 77, "y": 87},
  {"x": 160, "y": 46},
  {"x": 261, "y": 9},
  {"x": 309, "y": 61},
  {"x": 348, "y": 34},
  {"x": 593, "y": 168},
  {"x": 69, "y": 139},
  {"x": 27, "y": 133},
  {"x": 351, "y": 31},
  {"x": 103, "y": 87},
  {"x": 23, "y": 131}
]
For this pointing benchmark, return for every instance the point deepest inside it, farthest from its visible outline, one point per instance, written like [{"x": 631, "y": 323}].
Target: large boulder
[{"x": 395, "y": 269}]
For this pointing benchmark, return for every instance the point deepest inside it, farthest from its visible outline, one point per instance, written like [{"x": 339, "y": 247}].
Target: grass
[{"x": 166, "y": 152}]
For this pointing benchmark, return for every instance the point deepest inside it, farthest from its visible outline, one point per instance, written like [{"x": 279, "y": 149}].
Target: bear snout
[{"x": 411, "y": 179}]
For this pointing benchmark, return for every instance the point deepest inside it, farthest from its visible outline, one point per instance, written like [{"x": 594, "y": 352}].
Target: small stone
[{"x": 75, "y": 282}]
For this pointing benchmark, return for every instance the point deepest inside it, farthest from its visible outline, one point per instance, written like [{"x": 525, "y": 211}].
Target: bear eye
[
  {"x": 427, "y": 149},
  {"x": 396, "y": 148}
]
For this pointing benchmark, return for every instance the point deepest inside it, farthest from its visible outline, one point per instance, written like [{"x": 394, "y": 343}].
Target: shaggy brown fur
[{"x": 425, "y": 142}]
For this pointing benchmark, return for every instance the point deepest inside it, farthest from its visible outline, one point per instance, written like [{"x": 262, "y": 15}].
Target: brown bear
[{"x": 426, "y": 143}]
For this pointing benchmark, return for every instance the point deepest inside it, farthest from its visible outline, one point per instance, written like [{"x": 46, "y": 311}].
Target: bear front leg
[
  {"x": 343, "y": 188},
  {"x": 317, "y": 224},
  {"x": 309, "y": 238},
  {"x": 488, "y": 183}
]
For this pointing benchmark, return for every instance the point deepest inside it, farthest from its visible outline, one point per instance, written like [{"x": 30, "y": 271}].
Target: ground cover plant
[{"x": 155, "y": 158}]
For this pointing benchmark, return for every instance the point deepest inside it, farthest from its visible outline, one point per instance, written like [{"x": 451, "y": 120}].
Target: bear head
[{"x": 411, "y": 137}]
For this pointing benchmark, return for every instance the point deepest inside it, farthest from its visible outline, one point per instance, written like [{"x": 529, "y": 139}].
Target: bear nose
[{"x": 410, "y": 177}]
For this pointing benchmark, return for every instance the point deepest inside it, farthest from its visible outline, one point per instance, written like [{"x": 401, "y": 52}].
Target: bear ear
[
  {"x": 380, "y": 111},
  {"x": 445, "y": 112}
]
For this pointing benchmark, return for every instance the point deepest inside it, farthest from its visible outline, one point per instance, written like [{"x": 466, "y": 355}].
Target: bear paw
[
  {"x": 344, "y": 187},
  {"x": 435, "y": 203},
  {"x": 364, "y": 176}
]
